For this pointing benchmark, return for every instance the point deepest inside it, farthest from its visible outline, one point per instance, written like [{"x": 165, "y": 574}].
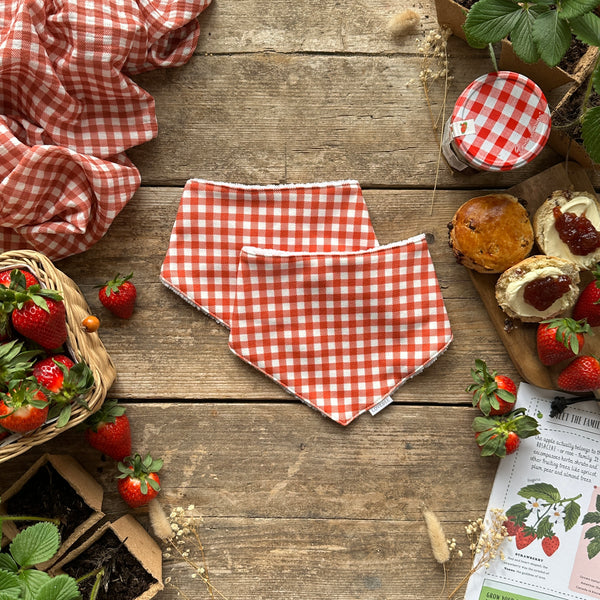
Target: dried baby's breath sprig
[
  {"x": 485, "y": 540},
  {"x": 403, "y": 23},
  {"x": 185, "y": 541},
  {"x": 435, "y": 66}
]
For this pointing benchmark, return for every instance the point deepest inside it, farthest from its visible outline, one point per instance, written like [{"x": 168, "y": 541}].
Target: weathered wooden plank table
[{"x": 293, "y": 505}]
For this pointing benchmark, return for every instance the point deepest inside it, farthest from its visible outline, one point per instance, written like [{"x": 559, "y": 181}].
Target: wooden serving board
[{"x": 520, "y": 338}]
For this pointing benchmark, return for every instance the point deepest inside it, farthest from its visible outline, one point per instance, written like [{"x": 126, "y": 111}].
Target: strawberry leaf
[
  {"x": 587, "y": 29},
  {"x": 153, "y": 484},
  {"x": 572, "y": 512},
  {"x": 519, "y": 512},
  {"x": 38, "y": 543},
  {"x": 552, "y": 37},
  {"x": 542, "y": 491},
  {"x": 590, "y": 128}
]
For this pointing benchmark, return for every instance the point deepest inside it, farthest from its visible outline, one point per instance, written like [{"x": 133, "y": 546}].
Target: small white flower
[
  {"x": 557, "y": 514},
  {"x": 533, "y": 504}
]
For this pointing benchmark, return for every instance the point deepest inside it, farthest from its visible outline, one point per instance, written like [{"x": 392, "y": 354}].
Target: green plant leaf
[
  {"x": 572, "y": 513},
  {"x": 522, "y": 38},
  {"x": 593, "y": 532},
  {"x": 32, "y": 581},
  {"x": 552, "y": 37},
  {"x": 7, "y": 563},
  {"x": 569, "y": 9},
  {"x": 35, "y": 544},
  {"x": 490, "y": 21},
  {"x": 590, "y": 129},
  {"x": 61, "y": 587},
  {"x": 544, "y": 528},
  {"x": 587, "y": 29},
  {"x": 9, "y": 583},
  {"x": 542, "y": 491},
  {"x": 593, "y": 548},
  {"x": 9, "y": 595},
  {"x": 519, "y": 512},
  {"x": 591, "y": 517}
]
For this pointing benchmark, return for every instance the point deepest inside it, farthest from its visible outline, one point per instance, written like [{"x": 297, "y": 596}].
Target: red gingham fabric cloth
[
  {"x": 68, "y": 111},
  {"x": 215, "y": 220},
  {"x": 341, "y": 331},
  {"x": 501, "y": 121}
]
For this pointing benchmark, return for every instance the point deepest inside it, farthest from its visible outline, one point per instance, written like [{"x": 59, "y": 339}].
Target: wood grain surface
[{"x": 293, "y": 506}]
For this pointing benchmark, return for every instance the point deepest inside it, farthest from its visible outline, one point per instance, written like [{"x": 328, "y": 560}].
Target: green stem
[
  {"x": 588, "y": 90},
  {"x": 493, "y": 57},
  {"x": 20, "y": 518},
  {"x": 93, "y": 573},
  {"x": 96, "y": 588}
]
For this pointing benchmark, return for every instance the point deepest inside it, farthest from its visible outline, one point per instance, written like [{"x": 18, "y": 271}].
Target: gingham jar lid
[{"x": 500, "y": 122}]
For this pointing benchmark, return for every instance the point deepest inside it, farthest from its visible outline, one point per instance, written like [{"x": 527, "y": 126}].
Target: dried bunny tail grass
[
  {"x": 159, "y": 521},
  {"x": 437, "y": 537},
  {"x": 403, "y": 23}
]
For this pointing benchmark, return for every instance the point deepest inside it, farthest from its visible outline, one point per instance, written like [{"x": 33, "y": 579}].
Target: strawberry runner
[
  {"x": 69, "y": 110},
  {"x": 215, "y": 220},
  {"x": 340, "y": 331}
]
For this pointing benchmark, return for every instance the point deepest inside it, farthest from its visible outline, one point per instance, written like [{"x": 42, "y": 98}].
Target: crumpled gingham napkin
[
  {"x": 68, "y": 111},
  {"x": 340, "y": 330},
  {"x": 215, "y": 220}
]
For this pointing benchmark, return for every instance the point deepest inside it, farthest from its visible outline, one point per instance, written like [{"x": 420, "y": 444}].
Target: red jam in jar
[
  {"x": 542, "y": 293},
  {"x": 576, "y": 231}
]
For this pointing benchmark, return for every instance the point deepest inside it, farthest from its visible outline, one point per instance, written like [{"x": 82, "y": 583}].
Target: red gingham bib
[
  {"x": 69, "y": 110},
  {"x": 342, "y": 330},
  {"x": 215, "y": 220}
]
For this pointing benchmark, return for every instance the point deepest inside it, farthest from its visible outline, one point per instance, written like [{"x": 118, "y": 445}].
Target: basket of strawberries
[{"x": 54, "y": 371}]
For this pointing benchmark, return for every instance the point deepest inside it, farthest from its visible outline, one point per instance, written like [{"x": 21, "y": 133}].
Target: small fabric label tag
[
  {"x": 460, "y": 128},
  {"x": 380, "y": 405}
]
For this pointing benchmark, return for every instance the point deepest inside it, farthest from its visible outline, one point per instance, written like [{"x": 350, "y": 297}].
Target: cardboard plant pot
[
  {"x": 55, "y": 486},
  {"x": 452, "y": 15},
  {"x": 548, "y": 78},
  {"x": 132, "y": 559},
  {"x": 567, "y": 140}
]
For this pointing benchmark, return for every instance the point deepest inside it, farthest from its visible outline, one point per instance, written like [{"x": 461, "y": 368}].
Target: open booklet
[{"x": 550, "y": 491}]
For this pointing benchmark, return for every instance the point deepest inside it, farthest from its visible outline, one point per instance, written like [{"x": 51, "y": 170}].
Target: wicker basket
[{"x": 81, "y": 344}]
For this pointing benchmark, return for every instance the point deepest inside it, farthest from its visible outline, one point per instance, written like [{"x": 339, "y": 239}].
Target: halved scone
[
  {"x": 538, "y": 288},
  {"x": 567, "y": 225}
]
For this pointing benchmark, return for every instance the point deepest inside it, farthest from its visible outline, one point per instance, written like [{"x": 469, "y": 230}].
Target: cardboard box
[
  {"x": 79, "y": 484},
  {"x": 137, "y": 542}
]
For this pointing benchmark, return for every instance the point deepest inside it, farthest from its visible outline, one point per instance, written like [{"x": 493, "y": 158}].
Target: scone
[
  {"x": 491, "y": 233},
  {"x": 567, "y": 224},
  {"x": 537, "y": 288}
]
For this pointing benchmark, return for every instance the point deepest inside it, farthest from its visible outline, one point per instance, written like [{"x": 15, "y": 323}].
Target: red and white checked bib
[
  {"x": 340, "y": 330},
  {"x": 215, "y": 220},
  {"x": 69, "y": 110}
]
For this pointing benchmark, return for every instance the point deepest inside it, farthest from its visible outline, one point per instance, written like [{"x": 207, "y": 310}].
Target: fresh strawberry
[
  {"x": 500, "y": 435},
  {"x": 24, "y": 407},
  {"x": 109, "y": 431},
  {"x": 11, "y": 281},
  {"x": 550, "y": 545},
  {"x": 138, "y": 479},
  {"x": 493, "y": 394},
  {"x": 15, "y": 362},
  {"x": 40, "y": 315},
  {"x": 66, "y": 383},
  {"x": 580, "y": 375},
  {"x": 524, "y": 537},
  {"x": 560, "y": 339},
  {"x": 588, "y": 303},
  {"x": 118, "y": 295},
  {"x": 17, "y": 278}
]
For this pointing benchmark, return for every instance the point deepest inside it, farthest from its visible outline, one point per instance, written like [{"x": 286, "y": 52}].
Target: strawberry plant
[
  {"x": 543, "y": 29},
  {"x": 540, "y": 514},
  {"x": 593, "y": 533},
  {"x": 19, "y": 580}
]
